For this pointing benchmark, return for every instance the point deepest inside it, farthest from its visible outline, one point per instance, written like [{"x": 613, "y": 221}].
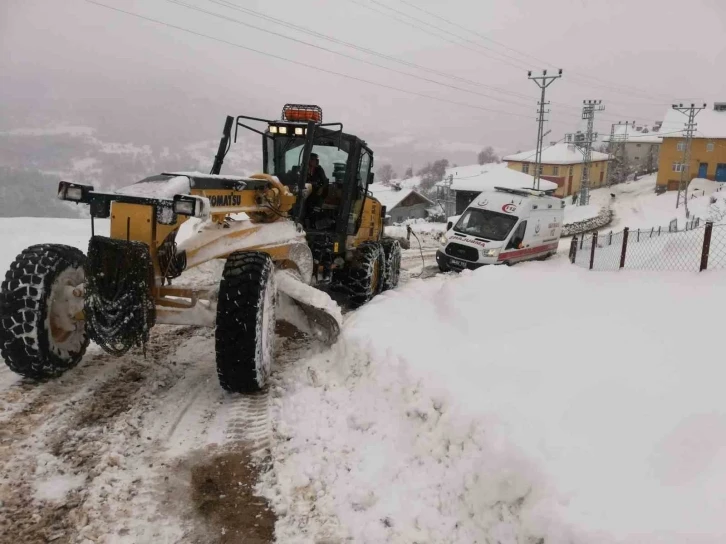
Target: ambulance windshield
[{"x": 485, "y": 224}]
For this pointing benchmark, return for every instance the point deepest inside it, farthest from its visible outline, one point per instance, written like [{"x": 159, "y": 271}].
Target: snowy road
[{"x": 115, "y": 450}]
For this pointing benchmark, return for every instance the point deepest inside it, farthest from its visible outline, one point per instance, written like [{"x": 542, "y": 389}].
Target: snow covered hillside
[
  {"x": 637, "y": 206},
  {"x": 576, "y": 417}
]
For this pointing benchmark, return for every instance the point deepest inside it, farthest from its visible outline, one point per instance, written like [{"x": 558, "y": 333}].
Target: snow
[
  {"x": 637, "y": 206},
  {"x": 488, "y": 176},
  {"x": 57, "y": 487},
  {"x": 561, "y": 153},
  {"x": 710, "y": 123},
  {"x": 178, "y": 185},
  {"x": 17, "y": 233},
  {"x": 575, "y": 214},
  {"x": 390, "y": 197},
  {"x": 475, "y": 422}
]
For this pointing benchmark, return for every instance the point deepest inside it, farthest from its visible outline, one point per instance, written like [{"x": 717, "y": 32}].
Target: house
[
  {"x": 401, "y": 202},
  {"x": 562, "y": 164},
  {"x": 469, "y": 181},
  {"x": 708, "y": 147},
  {"x": 640, "y": 146}
]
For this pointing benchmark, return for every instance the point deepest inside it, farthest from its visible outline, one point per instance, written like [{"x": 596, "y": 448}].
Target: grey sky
[{"x": 74, "y": 62}]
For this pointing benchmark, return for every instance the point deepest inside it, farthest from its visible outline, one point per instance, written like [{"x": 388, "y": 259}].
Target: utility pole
[
  {"x": 616, "y": 146},
  {"x": 542, "y": 82},
  {"x": 584, "y": 142},
  {"x": 691, "y": 111}
]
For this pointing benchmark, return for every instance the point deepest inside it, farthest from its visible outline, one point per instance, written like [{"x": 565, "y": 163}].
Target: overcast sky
[{"x": 136, "y": 80}]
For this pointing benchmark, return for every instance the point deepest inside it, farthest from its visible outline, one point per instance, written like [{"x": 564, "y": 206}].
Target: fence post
[
  {"x": 638, "y": 239},
  {"x": 610, "y": 239},
  {"x": 592, "y": 249},
  {"x": 625, "y": 247},
  {"x": 706, "y": 245},
  {"x": 582, "y": 239},
  {"x": 573, "y": 249},
  {"x": 658, "y": 231}
]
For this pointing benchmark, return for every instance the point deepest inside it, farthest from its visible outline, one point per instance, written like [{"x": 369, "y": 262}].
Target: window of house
[
  {"x": 572, "y": 170},
  {"x": 637, "y": 145},
  {"x": 681, "y": 146},
  {"x": 709, "y": 146},
  {"x": 678, "y": 166},
  {"x": 525, "y": 168},
  {"x": 555, "y": 170},
  {"x": 637, "y": 158},
  {"x": 541, "y": 169}
]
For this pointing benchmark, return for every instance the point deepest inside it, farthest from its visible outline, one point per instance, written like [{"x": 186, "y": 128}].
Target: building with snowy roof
[
  {"x": 469, "y": 181},
  {"x": 637, "y": 145},
  {"x": 401, "y": 203},
  {"x": 562, "y": 164},
  {"x": 708, "y": 147}
]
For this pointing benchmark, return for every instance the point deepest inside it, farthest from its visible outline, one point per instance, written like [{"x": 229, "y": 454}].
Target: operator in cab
[{"x": 320, "y": 187}]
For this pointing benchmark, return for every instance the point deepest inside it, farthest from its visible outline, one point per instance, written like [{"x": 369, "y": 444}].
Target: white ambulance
[{"x": 503, "y": 226}]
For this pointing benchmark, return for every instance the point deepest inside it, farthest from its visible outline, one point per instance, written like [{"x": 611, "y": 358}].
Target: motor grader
[{"x": 275, "y": 241}]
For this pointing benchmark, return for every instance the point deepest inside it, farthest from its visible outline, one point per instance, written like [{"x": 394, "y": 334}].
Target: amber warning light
[{"x": 302, "y": 113}]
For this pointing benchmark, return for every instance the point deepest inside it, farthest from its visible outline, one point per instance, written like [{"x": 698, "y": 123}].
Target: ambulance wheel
[
  {"x": 245, "y": 326},
  {"x": 40, "y": 335}
]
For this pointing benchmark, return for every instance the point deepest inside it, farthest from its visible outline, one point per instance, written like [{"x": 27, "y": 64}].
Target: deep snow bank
[{"x": 537, "y": 401}]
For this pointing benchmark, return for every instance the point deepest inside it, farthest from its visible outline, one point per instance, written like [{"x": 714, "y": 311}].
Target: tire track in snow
[{"x": 90, "y": 439}]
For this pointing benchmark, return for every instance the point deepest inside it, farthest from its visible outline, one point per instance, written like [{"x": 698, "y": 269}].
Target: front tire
[
  {"x": 392, "y": 253},
  {"x": 365, "y": 279},
  {"x": 246, "y": 322},
  {"x": 40, "y": 337}
]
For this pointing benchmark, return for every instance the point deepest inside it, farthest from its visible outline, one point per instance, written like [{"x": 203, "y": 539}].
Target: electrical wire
[
  {"x": 629, "y": 89},
  {"x": 290, "y": 38},
  {"x": 307, "y": 65},
  {"x": 311, "y": 32}
]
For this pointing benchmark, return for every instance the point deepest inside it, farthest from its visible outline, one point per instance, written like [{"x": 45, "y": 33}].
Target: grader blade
[{"x": 322, "y": 312}]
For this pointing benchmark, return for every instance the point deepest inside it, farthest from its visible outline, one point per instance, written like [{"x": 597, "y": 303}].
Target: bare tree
[
  {"x": 386, "y": 174},
  {"x": 409, "y": 173},
  {"x": 432, "y": 173},
  {"x": 487, "y": 156}
]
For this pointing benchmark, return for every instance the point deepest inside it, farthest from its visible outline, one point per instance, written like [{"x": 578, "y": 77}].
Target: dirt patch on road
[{"x": 221, "y": 484}]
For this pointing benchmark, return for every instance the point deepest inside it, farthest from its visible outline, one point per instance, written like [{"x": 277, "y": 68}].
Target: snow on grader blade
[{"x": 284, "y": 234}]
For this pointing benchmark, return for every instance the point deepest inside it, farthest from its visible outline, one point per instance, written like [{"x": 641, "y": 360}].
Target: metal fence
[{"x": 693, "y": 249}]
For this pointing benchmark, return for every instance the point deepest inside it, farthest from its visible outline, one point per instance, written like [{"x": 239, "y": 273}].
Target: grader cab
[{"x": 285, "y": 232}]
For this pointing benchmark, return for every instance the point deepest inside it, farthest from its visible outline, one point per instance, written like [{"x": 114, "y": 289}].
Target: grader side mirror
[{"x": 449, "y": 225}]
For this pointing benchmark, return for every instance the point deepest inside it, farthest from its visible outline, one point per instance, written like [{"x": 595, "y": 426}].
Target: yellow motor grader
[{"x": 281, "y": 233}]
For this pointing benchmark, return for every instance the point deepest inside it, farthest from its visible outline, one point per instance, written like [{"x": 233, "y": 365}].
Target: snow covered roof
[
  {"x": 488, "y": 176},
  {"x": 561, "y": 153},
  {"x": 630, "y": 134},
  {"x": 709, "y": 123},
  {"x": 390, "y": 197}
]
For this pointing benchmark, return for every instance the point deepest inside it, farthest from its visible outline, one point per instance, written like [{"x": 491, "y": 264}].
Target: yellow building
[
  {"x": 563, "y": 164},
  {"x": 708, "y": 147}
]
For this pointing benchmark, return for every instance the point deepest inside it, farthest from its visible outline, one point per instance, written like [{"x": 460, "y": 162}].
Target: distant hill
[{"x": 32, "y": 161}]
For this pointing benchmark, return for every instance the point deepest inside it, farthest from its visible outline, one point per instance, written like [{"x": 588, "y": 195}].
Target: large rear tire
[
  {"x": 40, "y": 337},
  {"x": 246, "y": 322},
  {"x": 365, "y": 279},
  {"x": 392, "y": 270}
]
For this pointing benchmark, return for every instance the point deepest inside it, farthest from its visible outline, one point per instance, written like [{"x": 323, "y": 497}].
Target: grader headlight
[
  {"x": 192, "y": 206},
  {"x": 73, "y": 192}
]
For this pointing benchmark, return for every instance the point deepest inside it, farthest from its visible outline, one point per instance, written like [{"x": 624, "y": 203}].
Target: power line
[
  {"x": 306, "y": 65},
  {"x": 230, "y": 5},
  {"x": 521, "y": 53},
  {"x": 319, "y": 47},
  {"x": 327, "y": 37}
]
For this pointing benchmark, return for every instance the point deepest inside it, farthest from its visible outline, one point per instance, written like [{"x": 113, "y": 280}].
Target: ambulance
[{"x": 503, "y": 226}]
